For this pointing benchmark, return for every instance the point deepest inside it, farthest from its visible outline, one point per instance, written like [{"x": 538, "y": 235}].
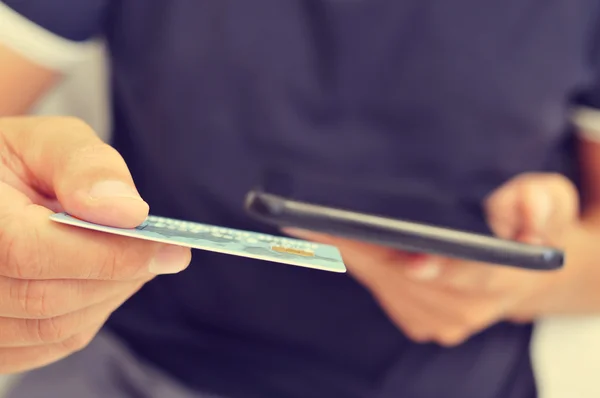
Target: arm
[
  {"x": 22, "y": 82},
  {"x": 38, "y": 41},
  {"x": 583, "y": 241}
]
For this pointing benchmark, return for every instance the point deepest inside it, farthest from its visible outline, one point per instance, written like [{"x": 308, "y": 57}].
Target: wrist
[{"x": 575, "y": 290}]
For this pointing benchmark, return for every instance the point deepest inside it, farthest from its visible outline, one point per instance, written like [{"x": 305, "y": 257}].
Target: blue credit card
[{"x": 224, "y": 240}]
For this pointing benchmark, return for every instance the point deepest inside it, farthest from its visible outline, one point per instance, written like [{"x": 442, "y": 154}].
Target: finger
[
  {"x": 366, "y": 252},
  {"x": 502, "y": 212},
  {"x": 16, "y": 332},
  {"x": 427, "y": 270},
  {"x": 423, "y": 267},
  {"x": 407, "y": 314},
  {"x": 11, "y": 201},
  {"x": 565, "y": 209},
  {"x": 452, "y": 317},
  {"x": 443, "y": 271},
  {"x": 66, "y": 159},
  {"x": 42, "y": 299},
  {"x": 549, "y": 205},
  {"x": 364, "y": 260},
  {"x": 537, "y": 207},
  {"x": 368, "y": 263},
  {"x": 33, "y": 247},
  {"x": 467, "y": 277},
  {"x": 18, "y": 359},
  {"x": 427, "y": 313}
]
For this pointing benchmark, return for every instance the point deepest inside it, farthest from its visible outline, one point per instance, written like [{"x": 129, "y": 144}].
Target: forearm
[
  {"x": 581, "y": 275},
  {"x": 22, "y": 82},
  {"x": 578, "y": 289}
]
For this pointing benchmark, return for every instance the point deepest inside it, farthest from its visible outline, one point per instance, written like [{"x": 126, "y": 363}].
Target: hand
[
  {"x": 59, "y": 284},
  {"x": 434, "y": 299}
]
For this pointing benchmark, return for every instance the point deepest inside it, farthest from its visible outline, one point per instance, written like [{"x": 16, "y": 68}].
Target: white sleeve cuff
[
  {"x": 38, "y": 44},
  {"x": 587, "y": 120},
  {"x": 565, "y": 353}
]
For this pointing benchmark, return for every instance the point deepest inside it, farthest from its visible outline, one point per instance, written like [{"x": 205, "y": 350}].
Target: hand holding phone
[
  {"x": 402, "y": 235},
  {"x": 463, "y": 296}
]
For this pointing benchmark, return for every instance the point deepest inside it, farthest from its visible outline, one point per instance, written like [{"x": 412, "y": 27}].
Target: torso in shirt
[{"x": 425, "y": 105}]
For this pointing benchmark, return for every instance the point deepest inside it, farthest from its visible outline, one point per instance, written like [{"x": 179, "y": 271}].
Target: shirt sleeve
[
  {"x": 587, "y": 121},
  {"x": 586, "y": 112},
  {"x": 52, "y": 33}
]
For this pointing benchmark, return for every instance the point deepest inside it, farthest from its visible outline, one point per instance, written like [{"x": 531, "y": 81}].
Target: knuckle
[
  {"x": 472, "y": 321},
  {"x": 536, "y": 178},
  {"x": 20, "y": 249},
  {"x": 87, "y": 157},
  {"x": 557, "y": 178},
  {"x": 453, "y": 337},
  {"x": 64, "y": 122},
  {"x": 53, "y": 124},
  {"x": 49, "y": 331},
  {"x": 34, "y": 298},
  {"x": 9, "y": 242},
  {"x": 127, "y": 260},
  {"x": 476, "y": 318},
  {"x": 77, "y": 342},
  {"x": 109, "y": 267},
  {"x": 418, "y": 336},
  {"x": 96, "y": 154},
  {"x": 552, "y": 180},
  {"x": 493, "y": 199}
]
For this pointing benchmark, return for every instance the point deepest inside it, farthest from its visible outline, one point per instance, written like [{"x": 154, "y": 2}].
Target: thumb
[
  {"x": 535, "y": 208},
  {"x": 520, "y": 210},
  {"x": 66, "y": 159},
  {"x": 502, "y": 212}
]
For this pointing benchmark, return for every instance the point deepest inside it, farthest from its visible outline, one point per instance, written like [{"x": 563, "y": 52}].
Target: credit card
[{"x": 224, "y": 240}]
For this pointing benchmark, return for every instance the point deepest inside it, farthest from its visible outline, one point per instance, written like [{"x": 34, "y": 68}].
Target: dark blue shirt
[{"x": 420, "y": 108}]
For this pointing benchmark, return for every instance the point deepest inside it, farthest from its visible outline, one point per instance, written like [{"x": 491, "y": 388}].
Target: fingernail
[
  {"x": 113, "y": 189},
  {"x": 169, "y": 260},
  {"x": 425, "y": 271}
]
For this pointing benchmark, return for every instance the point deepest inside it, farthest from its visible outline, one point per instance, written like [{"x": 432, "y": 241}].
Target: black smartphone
[{"x": 408, "y": 236}]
